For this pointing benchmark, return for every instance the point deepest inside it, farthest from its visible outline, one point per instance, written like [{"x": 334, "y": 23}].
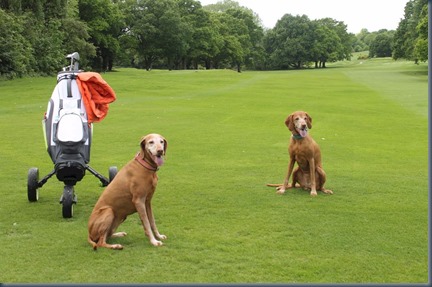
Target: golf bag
[{"x": 68, "y": 137}]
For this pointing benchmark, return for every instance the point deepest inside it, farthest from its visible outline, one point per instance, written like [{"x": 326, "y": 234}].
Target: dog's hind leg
[
  {"x": 93, "y": 244},
  {"x": 101, "y": 227},
  {"x": 298, "y": 179},
  {"x": 102, "y": 243},
  {"x": 321, "y": 179}
]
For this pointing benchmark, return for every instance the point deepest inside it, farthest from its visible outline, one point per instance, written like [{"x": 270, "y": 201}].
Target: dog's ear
[
  {"x": 289, "y": 122},
  {"x": 308, "y": 121},
  {"x": 165, "y": 145}
]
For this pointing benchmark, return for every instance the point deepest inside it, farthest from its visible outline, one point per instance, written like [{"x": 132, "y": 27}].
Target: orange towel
[{"x": 96, "y": 94}]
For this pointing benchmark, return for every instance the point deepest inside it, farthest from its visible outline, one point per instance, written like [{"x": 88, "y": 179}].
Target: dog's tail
[
  {"x": 274, "y": 184},
  {"x": 94, "y": 244}
]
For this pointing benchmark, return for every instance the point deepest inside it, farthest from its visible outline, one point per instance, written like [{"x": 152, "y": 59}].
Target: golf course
[{"x": 226, "y": 140}]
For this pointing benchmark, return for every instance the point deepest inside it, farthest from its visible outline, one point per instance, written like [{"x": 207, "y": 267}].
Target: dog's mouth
[
  {"x": 303, "y": 132},
  {"x": 159, "y": 160}
]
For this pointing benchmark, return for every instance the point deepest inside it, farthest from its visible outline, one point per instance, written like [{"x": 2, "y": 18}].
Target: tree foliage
[
  {"x": 182, "y": 34},
  {"x": 55, "y": 31},
  {"x": 296, "y": 41},
  {"x": 15, "y": 49},
  {"x": 410, "y": 40},
  {"x": 105, "y": 23},
  {"x": 381, "y": 44}
]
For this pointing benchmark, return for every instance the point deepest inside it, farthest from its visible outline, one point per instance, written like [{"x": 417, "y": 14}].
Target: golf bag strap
[
  {"x": 69, "y": 79},
  {"x": 69, "y": 89}
]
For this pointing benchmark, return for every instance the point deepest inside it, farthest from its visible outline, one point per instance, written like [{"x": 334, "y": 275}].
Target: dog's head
[
  {"x": 299, "y": 123},
  {"x": 153, "y": 147}
]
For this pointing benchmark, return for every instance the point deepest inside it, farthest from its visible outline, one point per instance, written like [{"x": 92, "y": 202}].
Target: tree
[
  {"x": 241, "y": 33},
  {"x": 46, "y": 36},
  {"x": 76, "y": 35},
  {"x": 333, "y": 42},
  {"x": 292, "y": 42},
  {"x": 47, "y": 43},
  {"x": 381, "y": 46},
  {"x": 408, "y": 34},
  {"x": 158, "y": 30},
  {"x": 400, "y": 44},
  {"x": 15, "y": 49},
  {"x": 201, "y": 37},
  {"x": 421, "y": 45},
  {"x": 105, "y": 24},
  {"x": 326, "y": 46},
  {"x": 176, "y": 34},
  {"x": 251, "y": 38},
  {"x": 222, "y": 6},
  {"x": 360, "y": 44}
]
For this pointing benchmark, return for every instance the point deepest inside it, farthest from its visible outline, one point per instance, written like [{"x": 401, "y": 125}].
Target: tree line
[
  {"x": 408, "y": 41},
  {"x": 35, "y": 35}
]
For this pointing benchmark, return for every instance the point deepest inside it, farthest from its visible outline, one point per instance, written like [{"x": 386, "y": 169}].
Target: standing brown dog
[
  {"x": 306, "y": 152},
  {"x": 130, "y": 191}
]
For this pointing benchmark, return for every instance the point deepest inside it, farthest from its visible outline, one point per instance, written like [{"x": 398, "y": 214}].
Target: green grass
[{"x": 226, "y": 140}]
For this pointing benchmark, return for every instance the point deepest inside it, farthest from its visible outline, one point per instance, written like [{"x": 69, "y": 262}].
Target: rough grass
[{"x": 226, "y": 140}]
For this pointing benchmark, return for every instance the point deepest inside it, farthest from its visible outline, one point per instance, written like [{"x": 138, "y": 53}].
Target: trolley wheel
[
  {"x": 112, "y": 172},
  {"x": 67, "y": 200},
  {"x": 32, "y": 184}
]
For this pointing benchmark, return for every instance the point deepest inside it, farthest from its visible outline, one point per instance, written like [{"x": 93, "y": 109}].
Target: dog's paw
[
  {"x": 156, "y": 243},
  {"x": 117, "y": 246},
  {"x": 161, "y": 237},
  {"x": 280, "y": 191},
  {"x": 328, "y": 191},
  {"x": 313, "y": 193},
  {"x": 119, "y": 234}
]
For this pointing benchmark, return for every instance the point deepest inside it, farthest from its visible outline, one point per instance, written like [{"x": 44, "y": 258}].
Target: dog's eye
[
  {"x": 297, "y": 118},
  {"x": 151, "y": 142}
]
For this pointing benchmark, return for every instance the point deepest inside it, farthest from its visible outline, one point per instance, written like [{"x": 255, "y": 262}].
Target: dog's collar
[
  {"x": 297, "y": 137},
  {"x": 145, "y": 164}
]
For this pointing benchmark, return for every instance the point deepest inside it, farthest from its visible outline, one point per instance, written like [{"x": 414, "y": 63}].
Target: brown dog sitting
[
  {"x": 305, "y": 151},
  {"x": 130, "y": 191}
]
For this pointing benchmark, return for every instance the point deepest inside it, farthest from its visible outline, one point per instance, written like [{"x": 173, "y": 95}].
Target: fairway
[{"x": 226, "y": 140}]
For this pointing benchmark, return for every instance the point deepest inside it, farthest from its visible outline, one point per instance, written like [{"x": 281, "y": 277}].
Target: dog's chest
[
  {"x": 149, "y": 180},
  {"x": 302, "y": 162},
  {"x": 302, "y": 152}
]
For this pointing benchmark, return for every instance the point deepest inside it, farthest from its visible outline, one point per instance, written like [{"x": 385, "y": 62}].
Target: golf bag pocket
[
  {"x": 70, "y": 129},
  {"x": 70, "y": 132}
]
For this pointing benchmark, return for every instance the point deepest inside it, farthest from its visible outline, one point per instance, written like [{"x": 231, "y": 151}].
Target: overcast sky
[{"x": 370, "y": 14}]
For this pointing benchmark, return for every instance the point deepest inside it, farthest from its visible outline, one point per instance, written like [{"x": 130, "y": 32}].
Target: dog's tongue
[
  {"x": 303, "y": 133},
  {"x": 159, "y": 160}
]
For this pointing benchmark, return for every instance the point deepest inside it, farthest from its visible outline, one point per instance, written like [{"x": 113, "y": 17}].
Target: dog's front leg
[
  {"x": 141, "y": 209},
  {"x": 312, "y": 175},
  {"x": 152, "y": 221},
  {"x": 281, "y": 189}
]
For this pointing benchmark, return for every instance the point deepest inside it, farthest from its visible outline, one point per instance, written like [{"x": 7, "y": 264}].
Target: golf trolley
[{"x": 68, "y": 137}]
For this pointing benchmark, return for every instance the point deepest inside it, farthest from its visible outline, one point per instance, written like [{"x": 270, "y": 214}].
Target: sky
[{"x": 370, "y": 14}]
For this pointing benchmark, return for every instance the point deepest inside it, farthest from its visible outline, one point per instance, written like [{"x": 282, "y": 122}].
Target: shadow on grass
[{"x": 416, "y": 73}]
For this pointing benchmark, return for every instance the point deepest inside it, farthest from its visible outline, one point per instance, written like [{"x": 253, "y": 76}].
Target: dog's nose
[{"x": 159, "y": 152}]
